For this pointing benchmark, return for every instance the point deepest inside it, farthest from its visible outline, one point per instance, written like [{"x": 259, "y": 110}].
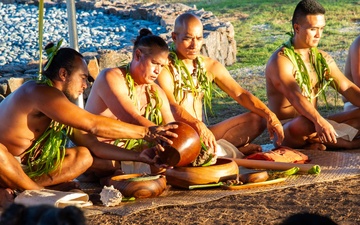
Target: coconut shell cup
[
  {"x": 185, "y": 148},
  {"x": 138, "y": 186},
  {"x": 183, "y": 177}
]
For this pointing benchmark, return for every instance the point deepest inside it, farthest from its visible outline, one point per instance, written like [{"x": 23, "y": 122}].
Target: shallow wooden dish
[
  {"x": 183, "y": 177},
  {"x": 150, "y": 186},
  {"x": 185, "y": 148}
]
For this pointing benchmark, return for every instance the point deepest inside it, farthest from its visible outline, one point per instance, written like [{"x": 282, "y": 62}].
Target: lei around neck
[
  {"x": 302, "y": 77},
  {"x": 196, "y": 82},
  {"x": 152, "y": 109}
]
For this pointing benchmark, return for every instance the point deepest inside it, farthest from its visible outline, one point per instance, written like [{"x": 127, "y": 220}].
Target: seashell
[{"x": 110, "y": 196}]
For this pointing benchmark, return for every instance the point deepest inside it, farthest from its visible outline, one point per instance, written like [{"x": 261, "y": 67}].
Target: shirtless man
[
  {"x": 129, "y": 94},
  {"x": 296, "y": 103},
  {"x": 26, "y": 114},
  {"x": 352, "y": 69},
  {"x": 186, "y": 91}
]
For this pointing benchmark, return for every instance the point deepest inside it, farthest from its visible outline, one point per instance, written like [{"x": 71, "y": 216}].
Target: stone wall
[{"x": 219, "y": 42}]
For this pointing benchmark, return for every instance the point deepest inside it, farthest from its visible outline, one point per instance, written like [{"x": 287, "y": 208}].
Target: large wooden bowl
[
  {"x": 185, "y": 148},
  {"x": 146, "y": 187},
  {"x": 183, "y": 177}
]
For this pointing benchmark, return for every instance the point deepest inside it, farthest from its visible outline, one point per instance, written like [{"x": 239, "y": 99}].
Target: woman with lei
[{"x": 128, "y": 93}]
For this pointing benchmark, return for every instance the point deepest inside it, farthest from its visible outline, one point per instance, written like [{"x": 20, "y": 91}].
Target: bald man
[{"x": 187, "y": 83}]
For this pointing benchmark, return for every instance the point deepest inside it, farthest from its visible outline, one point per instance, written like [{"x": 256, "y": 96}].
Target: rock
[
  {"x": 93, "y": 67},
  {"x": 111, "y": 59},
  {"x": 14, "y": 83}
]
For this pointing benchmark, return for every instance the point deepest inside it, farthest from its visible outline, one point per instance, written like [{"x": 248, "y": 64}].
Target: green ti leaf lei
[
  {"x": 51, "y": 148},
  {"x": 152, "y": 110},
  {"x": 196, "y": 82},
  {"x": 302, "y": 76}
]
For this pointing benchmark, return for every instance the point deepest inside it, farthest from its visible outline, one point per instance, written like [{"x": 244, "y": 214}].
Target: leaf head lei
[{"x": 302, "y": 77}]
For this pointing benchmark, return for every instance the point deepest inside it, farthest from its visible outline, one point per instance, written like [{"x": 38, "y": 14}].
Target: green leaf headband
[{"x": 51, "y": 52}]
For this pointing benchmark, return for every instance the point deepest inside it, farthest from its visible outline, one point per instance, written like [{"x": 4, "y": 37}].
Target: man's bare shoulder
[
  {"x": 108, "y": 72},
  {"x": 32, "y": 96},
  {"x": 214, "y": 67},
  {"x": 278, "y": 54}
]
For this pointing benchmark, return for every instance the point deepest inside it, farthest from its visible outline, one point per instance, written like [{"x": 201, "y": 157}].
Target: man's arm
[
  {"x": 108, "y": 151},
  {"x": 56, "y": 106},
  {"x": 353, "y": 61},
  {"x": 280, "y": 71},
  {"x": 166, "y": 82},
  {"x": 225, "y": 82},
  {"x": 344, "y": 86}
]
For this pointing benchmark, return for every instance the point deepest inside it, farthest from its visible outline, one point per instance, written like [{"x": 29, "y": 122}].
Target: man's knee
[
  {"x": 259, "y": 123},
  {"x": 83, "y": 155}
]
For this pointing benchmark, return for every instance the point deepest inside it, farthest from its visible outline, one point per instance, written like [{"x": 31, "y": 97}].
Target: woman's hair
[
  {"x": 307, "y": 7},
  {"x": 146, "y": 42},
  {"x": 63, "y": 58}
]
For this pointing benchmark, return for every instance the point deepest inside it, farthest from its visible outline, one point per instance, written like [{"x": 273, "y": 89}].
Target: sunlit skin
[
  {"x": 188, "y": 42},
  {"x": 286, "y": 99}
]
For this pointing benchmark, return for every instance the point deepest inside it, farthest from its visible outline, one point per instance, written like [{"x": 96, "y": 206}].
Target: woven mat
[{"x": 334, "y": 166}]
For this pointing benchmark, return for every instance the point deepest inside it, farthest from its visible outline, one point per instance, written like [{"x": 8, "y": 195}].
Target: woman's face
[{"x": 149, "y": 66}]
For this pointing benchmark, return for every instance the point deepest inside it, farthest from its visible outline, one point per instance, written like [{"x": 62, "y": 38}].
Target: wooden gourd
[{"x": 138, "y": 189}]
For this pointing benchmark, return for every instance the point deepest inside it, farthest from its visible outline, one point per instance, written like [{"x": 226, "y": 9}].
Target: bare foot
[
  {"x": 249, "y": 149},
  {"x": 6, "y": 197},
  {"x": 66, "y": 186},
  {"x": 315, "y": 146}
]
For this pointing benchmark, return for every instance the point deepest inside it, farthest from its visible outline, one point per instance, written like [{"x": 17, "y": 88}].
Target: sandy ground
[{"x": 338, "y": 200}]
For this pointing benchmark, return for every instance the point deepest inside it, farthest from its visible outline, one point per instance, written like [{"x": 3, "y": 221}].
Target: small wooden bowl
[
  {"x": 185, "y": 148},
  {"x": 149, "y": 187},
  {"x": 183, "y": 177}
]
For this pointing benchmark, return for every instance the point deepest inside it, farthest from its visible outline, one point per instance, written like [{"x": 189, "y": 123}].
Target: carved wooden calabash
[
  {"x": 183, "y": 177},
  {"x": 139, "y": 186},
  {"x": 185, "y": 148}
]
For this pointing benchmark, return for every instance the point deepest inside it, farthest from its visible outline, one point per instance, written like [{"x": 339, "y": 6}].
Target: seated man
[
  {"x": 188, "y": 81},
  {"x": 129, "y": 94},
  {"x": 297, "y": 74},
  {"x": 31, "y": 129},
  {"x": 352, "y": 69}
]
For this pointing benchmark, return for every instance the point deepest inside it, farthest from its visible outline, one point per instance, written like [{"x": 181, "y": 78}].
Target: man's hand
[
  {"x": 325, "y": 131},
  {"x": 274, "y": 127},
  {"x": 151, "y": 157},
  {"x": 160, "y": 134},
  {"x": 207, "y": 137}
]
